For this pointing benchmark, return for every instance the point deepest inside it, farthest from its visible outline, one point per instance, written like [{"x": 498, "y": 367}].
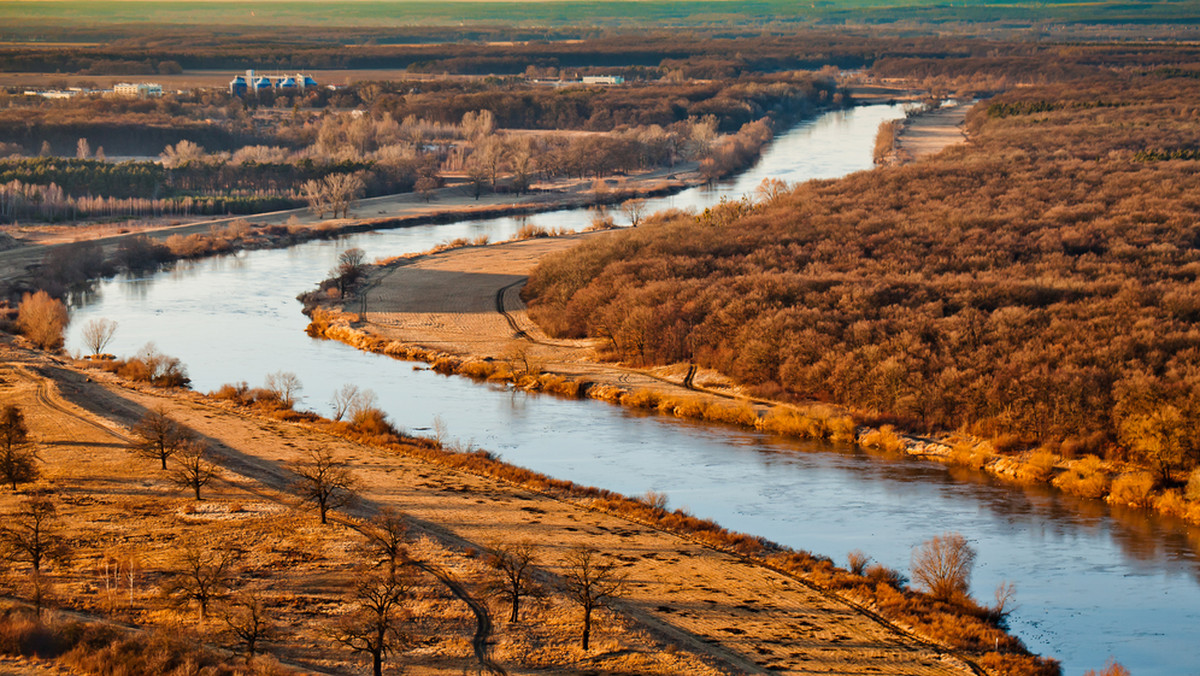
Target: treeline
[
  {"x": 1038, "y": 285},
  {"x": 520, "y": 106}
]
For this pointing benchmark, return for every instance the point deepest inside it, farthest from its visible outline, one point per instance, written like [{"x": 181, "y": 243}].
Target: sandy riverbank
[
  {"x": 930, "y": 132},
  {"x": 689, "y": 608}
]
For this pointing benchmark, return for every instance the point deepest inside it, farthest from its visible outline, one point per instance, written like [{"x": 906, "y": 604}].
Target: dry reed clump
[
  {"x": 884, "y": 439},
  {"x": 733, "y": 413},
  {"x": 1132, "y": 489},
  {"x": 94, "y": 648},
  {"x": 1085, "y": 477},
  {"x": 640, "y": 398},
  {"x": 1036, "y": 467},
  {"x": 1009, "y": 664},
  {"x": 972, "y": 453},
  {"x": 808, "y": 424}
]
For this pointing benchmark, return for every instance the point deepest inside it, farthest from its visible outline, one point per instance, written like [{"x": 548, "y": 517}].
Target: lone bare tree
[
  {"x": 194, "y": 470},
  {"x": 512, "y": 566},
  {"x": 634, "y": 210},
  {"x": 345, "y": 399},
  {"x": 32, "y": 535},
  {"x": 42, "y": 319},
  {"x": 943, "y": 565},
  {"x": 18, "y": 459},
  {"x": 159, "y": 437},
  {"x": 249, "y": 622},
  {"x": 375, "y": 626},
  {"x": 325, "y": 481},
  {"x": 98, "y": 333},
  {"x": 204, "y": 574},
  {"x": 592, "y": 581},
  {"x": 386, "y": 534},
  {"x": 350, "y": 268},
  {"x": 286, "y": 387}
]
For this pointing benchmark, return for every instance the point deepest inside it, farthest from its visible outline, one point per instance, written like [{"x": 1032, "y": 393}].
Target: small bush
[
  {"x": 1132, "y": 489},
  {"x": 883, "y": 439},
  {"x": 1085, "y": 478}
]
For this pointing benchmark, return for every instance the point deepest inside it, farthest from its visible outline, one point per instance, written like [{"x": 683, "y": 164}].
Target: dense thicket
[{"x": 1040, "y": 281}]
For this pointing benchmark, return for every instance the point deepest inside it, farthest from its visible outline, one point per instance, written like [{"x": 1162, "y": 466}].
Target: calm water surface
[{"x": 1091, "y": 582}]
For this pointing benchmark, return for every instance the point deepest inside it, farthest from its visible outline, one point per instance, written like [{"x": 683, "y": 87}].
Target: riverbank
[
  {"x": 213, "y": 236},
  {"x": 460, "y": 311},
  {"x": 924, "y": 134},
  {"x": 684, "y": 600}
]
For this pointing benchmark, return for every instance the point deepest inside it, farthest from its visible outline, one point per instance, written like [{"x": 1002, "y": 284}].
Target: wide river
[{"x": 1092, "y": 582}]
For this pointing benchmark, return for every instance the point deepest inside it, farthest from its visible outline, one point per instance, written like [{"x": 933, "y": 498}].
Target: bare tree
[
  {"x": 325, "y": 481},
  {"x": 350, "y": 268},
  {"x": 98, "y": 333},
  {"x": 249, "y": 622},
  {"x": 18, "y": 459},
  {"x": 159, "y": 437},
  {"x": 770, "y": 189},
  {"x": 341, "y": 400},
  {"x": 477, "y": 124},
  {"x": 943, "y": 565},
  {"x": 204, "y": 574},
  {"x": 83, "y": 149},
  {"x": 375, "y": 626},
  {"x": 634, "y": 210},
  {"x": 386, "y": 535},
  {"x": 512, "y": 566},
  {"x": 315, "y": 194},
  {"x": 181, "y": 153},
  {"x": 350, "y": 401},
  {"x": 194, "y": 469},
  {"x": 286, "y": 387},
  {"x": 31, "y": 533},
  {"x": 42, "y": 319},
  {"x": 342, "y": 190},
  {"x": 592, "y": 580}
]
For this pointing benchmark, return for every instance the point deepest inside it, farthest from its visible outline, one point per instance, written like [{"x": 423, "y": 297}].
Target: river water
[{"x": 1092, "y": 582}]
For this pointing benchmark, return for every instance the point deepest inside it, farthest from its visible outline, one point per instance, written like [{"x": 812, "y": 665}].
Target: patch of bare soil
[
  {"x": 688, "y": 609},
  {"x": 467, "y": 302},
  {"x": 931, "y": 132}
]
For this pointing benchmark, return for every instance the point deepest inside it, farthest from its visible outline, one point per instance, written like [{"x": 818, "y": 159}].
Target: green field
[{"x": 382, "y": 13}]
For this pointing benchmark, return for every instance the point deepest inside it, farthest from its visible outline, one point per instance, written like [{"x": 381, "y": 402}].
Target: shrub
[
  {"x": 1085, "y": 478},
  {"x": 1037, "y": 467},
  {"x": 883, "y": 439},
  {"x": 1192, "y": 492},
  {"x": 42, "y": 320},
  {"x": 1132, "y": 489}
]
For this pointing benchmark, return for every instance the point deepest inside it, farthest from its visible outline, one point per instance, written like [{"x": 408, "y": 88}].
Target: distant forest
[{"x": 1041, "y": 283}]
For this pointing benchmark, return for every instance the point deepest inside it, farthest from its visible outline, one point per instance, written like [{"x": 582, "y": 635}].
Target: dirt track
[
  {"x": 717, "y": 608},
  {"x": 466, "y": 302},
  {"x": 931, "y": 132}
]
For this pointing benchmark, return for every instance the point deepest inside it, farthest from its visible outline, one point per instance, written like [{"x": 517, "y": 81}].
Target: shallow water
[{"x": 1091, "y": 582}]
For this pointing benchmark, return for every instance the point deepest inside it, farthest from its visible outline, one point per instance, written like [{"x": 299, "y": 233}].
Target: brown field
[{"x": 689, "y": 609}]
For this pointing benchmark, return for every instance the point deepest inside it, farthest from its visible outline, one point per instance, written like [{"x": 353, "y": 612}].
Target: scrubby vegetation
[{"x": 1035, "y": 285}]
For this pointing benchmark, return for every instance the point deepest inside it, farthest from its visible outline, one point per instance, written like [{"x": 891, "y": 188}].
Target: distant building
[
  {"x": 250, "y": 83},
  {"x": 140, "y": 90},
  {"x": 238, "y": 86},
  {"x": 603, "y": 79}
]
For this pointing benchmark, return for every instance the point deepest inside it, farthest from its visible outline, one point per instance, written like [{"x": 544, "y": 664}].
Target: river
[{"x": 1092, "y": 582}]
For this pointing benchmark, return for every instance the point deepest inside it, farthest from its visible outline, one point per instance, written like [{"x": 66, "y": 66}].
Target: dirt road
[{"x": 718, "y": 610}]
